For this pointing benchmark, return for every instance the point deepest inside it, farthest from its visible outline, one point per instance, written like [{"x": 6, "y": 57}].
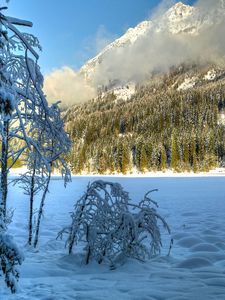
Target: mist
[
  {"x": 68, "y": 86},
  {"x": 164, "y": 46},
  {"x": 161, "y": 49}
]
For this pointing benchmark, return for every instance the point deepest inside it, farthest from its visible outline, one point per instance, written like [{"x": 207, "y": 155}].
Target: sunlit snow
[{"x": 193, "y": 206}]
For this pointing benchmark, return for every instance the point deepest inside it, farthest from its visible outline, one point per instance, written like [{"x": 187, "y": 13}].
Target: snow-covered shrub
[
  {"x": 10, "y": 258},
  {"x": 112, "y": 228}
]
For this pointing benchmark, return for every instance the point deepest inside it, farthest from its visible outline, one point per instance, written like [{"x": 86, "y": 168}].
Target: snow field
[{"x": 193, "y": 207}]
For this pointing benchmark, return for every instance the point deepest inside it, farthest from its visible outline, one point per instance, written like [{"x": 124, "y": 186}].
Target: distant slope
[{"x": 173, "y": 121}]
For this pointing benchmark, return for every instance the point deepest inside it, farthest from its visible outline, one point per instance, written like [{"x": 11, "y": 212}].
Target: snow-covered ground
[
  {"x": 193, "y": 206},
  {"x": 168, "y": 173}
]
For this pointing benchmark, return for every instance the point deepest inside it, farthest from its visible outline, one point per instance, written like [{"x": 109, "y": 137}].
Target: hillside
[
  {"x": 160, "y": 102},
  {"x": 174, "y": 120}
]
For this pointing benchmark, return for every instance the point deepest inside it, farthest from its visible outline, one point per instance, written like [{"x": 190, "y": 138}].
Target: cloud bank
[{"x": 66, "y": 85}]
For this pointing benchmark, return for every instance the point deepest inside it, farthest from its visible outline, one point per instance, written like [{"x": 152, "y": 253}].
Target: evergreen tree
[
  {"x": 163, "y": 160},
  {"x": 174, "y": 152},
  {"x": 186, "y": 156},
  {"x": 194, "y": 159},
  {"x": 143, "y": 160},
  {"x": 125, "y": 159}
]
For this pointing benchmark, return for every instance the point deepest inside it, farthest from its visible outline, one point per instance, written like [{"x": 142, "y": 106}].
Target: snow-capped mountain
[
  {"x": 178, "y": 20},
  {"x": 183, "y": 18},
  {"x": 178, "y": 59},
  {"x": 129, "y": 38}
]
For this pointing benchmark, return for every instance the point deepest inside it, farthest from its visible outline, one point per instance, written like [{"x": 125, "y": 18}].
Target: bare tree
[
  {"x": 53, "y": 145},
  {"x": 56, "y": 150}
]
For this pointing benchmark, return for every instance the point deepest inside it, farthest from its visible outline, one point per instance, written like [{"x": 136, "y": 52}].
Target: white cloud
[{"x": 66, "y": 85}]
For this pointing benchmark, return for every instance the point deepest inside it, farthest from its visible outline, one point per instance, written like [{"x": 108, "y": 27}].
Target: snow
[
  {"x": 211, "y": 75},
  {"x": 187, "y": 84},
  {"x": 179, "y": 11},
  {"x": 124, "y": 92},
  {"x": 220, "y": 171},
  {"x": 194, "y": 208},
  {"x": 179, "y": 19},
  {"x": 221, "y": 118},
  {"x": 135, "y": 173}
]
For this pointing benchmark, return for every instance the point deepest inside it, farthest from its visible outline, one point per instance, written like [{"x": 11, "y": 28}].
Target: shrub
[{"x": 113, "y": 228}]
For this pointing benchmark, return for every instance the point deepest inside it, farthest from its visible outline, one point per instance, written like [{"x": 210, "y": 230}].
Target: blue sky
[{"x": 68, "y": 29}]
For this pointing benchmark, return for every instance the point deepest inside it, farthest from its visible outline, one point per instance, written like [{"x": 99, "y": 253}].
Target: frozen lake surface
[{"x": 195, "y": 270}]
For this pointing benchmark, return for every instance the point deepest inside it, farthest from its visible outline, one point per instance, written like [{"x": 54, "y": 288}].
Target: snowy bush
[
  {"x": 112, "y": 228},
  {"x": 10, "y": 258}
]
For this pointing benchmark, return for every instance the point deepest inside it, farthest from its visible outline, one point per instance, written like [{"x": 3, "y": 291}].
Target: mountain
[
  {"x": 132, "y": 35},
  {"x": 180, "y": 21},
  {"x": 169, "y": 116}
]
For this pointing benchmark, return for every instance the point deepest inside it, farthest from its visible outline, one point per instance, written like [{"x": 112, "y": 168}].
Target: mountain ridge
[{"x": 179, "y": 20}]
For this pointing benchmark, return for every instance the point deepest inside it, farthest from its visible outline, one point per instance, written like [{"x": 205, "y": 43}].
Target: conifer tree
[
  {"x": 125, "y": 159},
  {"x": 174, "y": 152},
  {"x": 186, "y": 156},
  {"x": 163, "y": 160},
  {"x": 194, "y": 154},
  {"x": 143, "y": 160}
]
